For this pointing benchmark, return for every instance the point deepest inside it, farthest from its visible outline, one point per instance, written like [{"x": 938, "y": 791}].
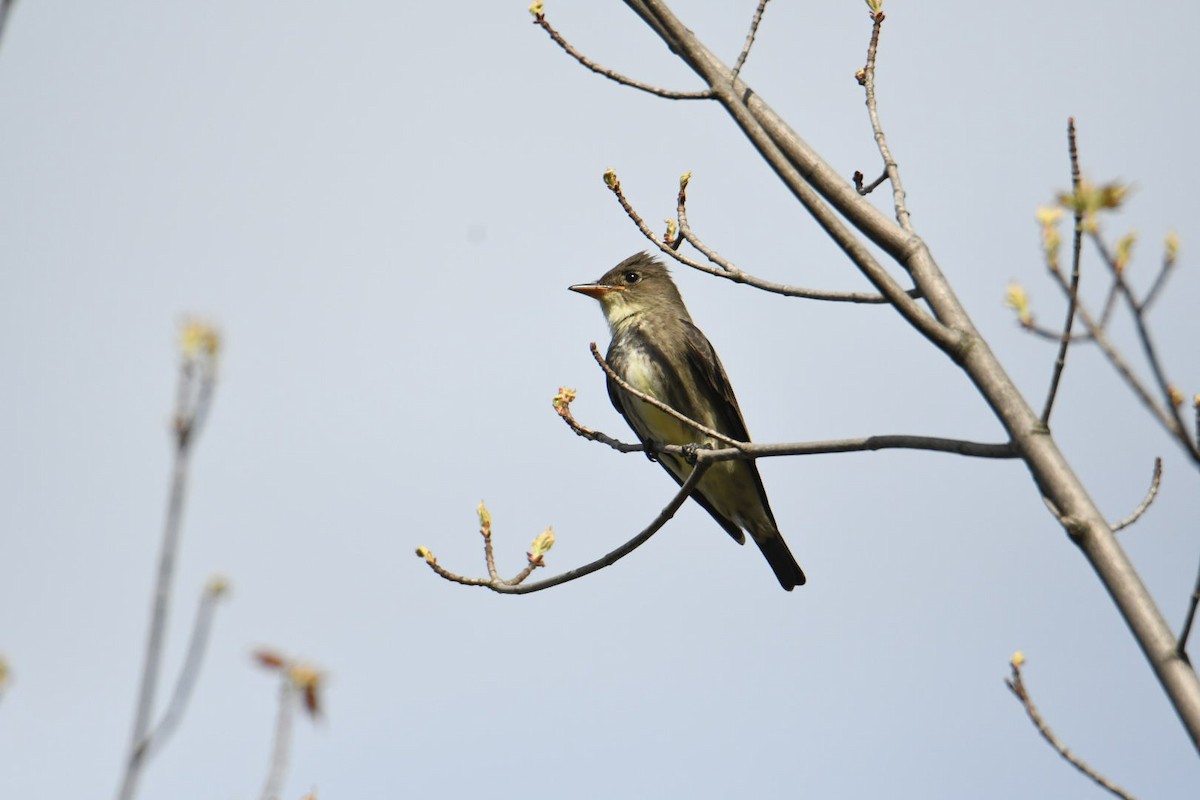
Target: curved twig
[
  {"x": 754, "y": 23},
  {"x": 728, "y": 271},
  {"x": 188, "y": 673},
  {"x": 1151, "y": 493},
  {"x": 500, "y": 586},
  {"x": 562, "y": 407},
  {"x": 540, "y": 20},
  {"x": 1017, "y": 686}
]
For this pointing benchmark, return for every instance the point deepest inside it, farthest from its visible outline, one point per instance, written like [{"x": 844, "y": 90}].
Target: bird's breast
[{"x": 643, "y": 372}]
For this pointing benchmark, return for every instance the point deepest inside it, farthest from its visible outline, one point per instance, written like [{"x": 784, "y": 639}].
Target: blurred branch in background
[
  {"x": 298, "y": 682},
  {"x": 214, "y": 590},
  {"x": 5, "y": 7},
  {"x": 199, "y": 348}
]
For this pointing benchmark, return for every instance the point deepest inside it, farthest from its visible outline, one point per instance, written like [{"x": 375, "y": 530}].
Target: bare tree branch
[
  {"x": 872, "y": 186},
  {"x": 724, "y": 269},
  {"x": 830, "y": 199},
  {"x": 1177, "y": 427},
  {"x": 562, "y": 407},
  {"x": 298, "y": 681},
  {"x": 1060, "y": 361},
  {"x": 1160, "y": 279},
  {"x": 750, "y": 451},
  {"x": 811, "y": 181},
  {"x": 1017, "y": 686},
  {"x": 1151, "y": 493},
  {"x": 867, "y": 78},
  {"x": 514, "y": 586},
  {"x": 1046, "y": 333},
  {"x": 193, "y": 397},
  {"x": 282, "y": 742},
  {"x": 1098, "y": 335},
  {"x": 540, "y": 19},
  {"x": 754, "y": 23},
  {"x": 212, "y": 592},
  {"x": 1188, "y": 620}
]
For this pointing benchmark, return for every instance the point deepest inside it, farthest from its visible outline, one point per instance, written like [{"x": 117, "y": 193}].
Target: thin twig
[
  {"x": 660, "y": 405},
  {"x": 1177, "y": 427},
  {"x": 867, "y": 78},
  {"x": 1160, "y": 280},
  {"x": 1060, "y": 362},
  {"x": 726, "y": 268},
  {"x": 282, "y": 740},
  {"x": 1151, "y": 493},
  {"x": 191, "y": 668},
  {"x": 1017, "y": 686},
  {"x": 750, "y": 451},
  {"x": 1193, "y": 602},
  {"x": 1110, "y": 303},
  {"x": 730, "y": 272},
  {"x": 540, "y": 20},
  {"x": 1056, "y": 336},
  {"x": 562, "y": 407},
  {"x": 1117, "y": 361},
  {"x": 502, "y": 587},
  {"x": 741, "y": 59},
  {"x": 193, "y": 397},
  {"x": 872, "y": 186}
]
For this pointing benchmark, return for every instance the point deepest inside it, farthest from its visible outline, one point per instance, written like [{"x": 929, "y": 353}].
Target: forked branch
[{"x": 516, "y": 585}]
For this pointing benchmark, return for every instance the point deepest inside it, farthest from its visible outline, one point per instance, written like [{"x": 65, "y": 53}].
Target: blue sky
[{"x": 381, "y": 206}]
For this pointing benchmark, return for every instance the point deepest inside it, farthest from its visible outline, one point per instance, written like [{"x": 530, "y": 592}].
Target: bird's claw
[{"x": 689, "y": 453}]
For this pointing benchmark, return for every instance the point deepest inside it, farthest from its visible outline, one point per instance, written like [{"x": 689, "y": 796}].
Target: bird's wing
[
  {"x": 710, "y": 376},
  {"x": 677, "y": 399}
]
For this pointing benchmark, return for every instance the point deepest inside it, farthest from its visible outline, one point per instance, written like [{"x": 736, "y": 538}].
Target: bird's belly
[{"x": 641, "y": 374}]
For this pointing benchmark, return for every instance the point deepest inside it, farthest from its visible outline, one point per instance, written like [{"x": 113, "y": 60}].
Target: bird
[{"x": 657, "y": 349}]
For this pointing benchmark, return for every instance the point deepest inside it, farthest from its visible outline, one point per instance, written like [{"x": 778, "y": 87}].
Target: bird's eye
[{"x": 632, "y": 277}]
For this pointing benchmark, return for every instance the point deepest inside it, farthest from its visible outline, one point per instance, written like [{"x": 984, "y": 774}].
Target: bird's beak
[{"x": 596, "y": 290}]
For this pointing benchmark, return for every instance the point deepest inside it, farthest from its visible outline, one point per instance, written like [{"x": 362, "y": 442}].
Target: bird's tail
[{"x": 776, "y": 551}]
